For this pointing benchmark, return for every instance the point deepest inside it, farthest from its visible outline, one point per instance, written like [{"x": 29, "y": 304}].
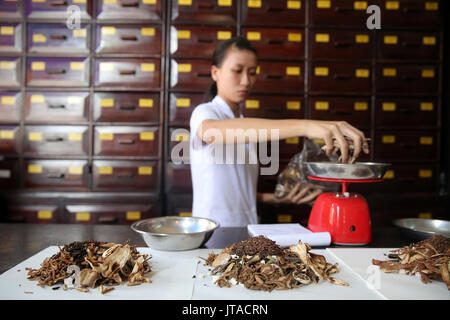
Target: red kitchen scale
[{"x": 345, "y": 215}]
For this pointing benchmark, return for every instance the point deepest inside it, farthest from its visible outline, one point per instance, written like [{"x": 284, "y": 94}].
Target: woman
[{"x": 227, "y": 192}]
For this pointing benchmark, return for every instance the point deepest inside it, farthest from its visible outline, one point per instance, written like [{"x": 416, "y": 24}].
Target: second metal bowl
[
  {"x": 355, "y": 171},
  {"x": 420, "y": 229},
  {"x": 173, "y": 233}
]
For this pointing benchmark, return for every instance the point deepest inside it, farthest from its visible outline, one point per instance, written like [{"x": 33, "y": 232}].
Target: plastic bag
[{"x": 296, "y": 171}]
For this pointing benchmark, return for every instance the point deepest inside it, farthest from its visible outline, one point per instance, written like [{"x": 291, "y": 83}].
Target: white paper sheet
[{"x": 286, "y": 234}]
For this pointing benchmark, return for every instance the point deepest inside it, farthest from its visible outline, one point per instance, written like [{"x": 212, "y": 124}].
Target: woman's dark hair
[{"x": 220, "y": 53}]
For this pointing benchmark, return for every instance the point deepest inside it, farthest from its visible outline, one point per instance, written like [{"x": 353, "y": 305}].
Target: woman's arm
[
  {"x": 295, "y": 196},
  {"x": 245, "y": 128}
]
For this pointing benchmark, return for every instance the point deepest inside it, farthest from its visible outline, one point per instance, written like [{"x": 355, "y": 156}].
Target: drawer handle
[
  {"x": 125, "y": 175},
  {"x": 55, "y": 175},
  {"x": 340, "y": 44},
  {"x": 204, "y": 75},
  {"x": 107, "y": 219},
  {"x": 54, "y": 139},
  {"x": 58, "y": 37},
  {"x": 204, "y": 40},
  {"x": 343, "y": 9},
  {"x": 342, "y": 77},
  {"x": 274, "y": 76},
  {"x": 129, "y": 3},
  {"x": 205, "y": 5},
  {"x": 56, "y": 71},
  {"x": 58, "y": 3},
  {"x": 56, "y": 106},
  {"x": 127, "y": 141},
  {"x": 127, "y": 107},
  {"x": 127, "y": 72},
  {"x": 128, "y": 37}
]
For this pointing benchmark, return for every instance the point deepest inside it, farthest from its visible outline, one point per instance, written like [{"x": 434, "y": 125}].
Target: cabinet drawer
[
  {"x": 129, "y": 39},
  {"x": 10, "y": 106},
  {"x": 128, "y": 73},
  {"x": 409, "y": 45},
  {"x": 274, "y": 107},
  {"x": 126, "y": 107},
  {"x": 181, "y": 106},
  {"x": 179, "y": 205},
  {"x": 56, "y": 140},
  {"x": 57, "y": 39},
  {"x": 408, "y": 178},
  {"x": 58, "y": 72},
  {"x": 9, "y": 140},
  {"x": 277, "y": 44},
  {"x": 403, "y": 13},
  {"x": 406, "y": 145},
  {"x": 10, "y": 72},
  {"x": 407, "y": 79},
  {"x": 355, "y": 111},
  {"x": 58, "y": 107},
  {"x": 108, "y": 213},
  {"x": 196, "y": 41},
  {"x": 10, "y": 9},
  {"x": 412, "y": 113},
  {"x": 54, "y": 175},
  {"x": 126, "y": 141},
  {"x": 36, "y": 213},
  {"x": 279, "y": 77},
  {"x": 326, "y": 44},
  {"x": 9, "y": 174},
  {"x": 57, "y": 9},
  {"x": 273, "y": 13},
  {"x": 201, "y": 11},
  {"x": 118, "y": 10},
  {"x": 126, "y": 175},
  {"x": 190, "y": 75},
  {"x": 178, "y": 178},
  {"x": 178, "y": 144},
  {"x": 339, "y": 12},
  {"x": 340, "y": 77},
  {"x": 10, "y": 37}
]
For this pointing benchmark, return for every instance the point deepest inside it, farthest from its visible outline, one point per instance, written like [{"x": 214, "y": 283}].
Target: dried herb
[{"x": 430, "y": 258}]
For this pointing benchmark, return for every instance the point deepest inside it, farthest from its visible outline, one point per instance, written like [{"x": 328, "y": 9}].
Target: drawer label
[
  {"x": 390, "y": 39},
  {"x": 147, "y": 135},
  {"x": 7, "y": 65},
  {"x": 184, "y": 67},
  {"x": 185, "y": 214},
  {"x": 6, "y": 30},
  {"x": 106, "y": 103},
  {"x": 223, "y": 35},
  {"x": 286, "y": 218},
  {"x": 294, "y": 140},
  {"x": 44, "y": 214},
  {"x": 105, "y": 170},
  {"x": 75, "y": 136},
  {"x": 6, "y": 134},
  {"x": 293, "y": 71},
  {"x": 362, "y": 73},
  {"x": 108, "y": 31},
  {"x": 426, "y": 106},
  {"x": 109, "y": 1},
  {"x": 429, "y": 41},
  {"x": 389, "y": 174},
  {"x": 321, "y": 71},
  {"x": 323, "y": 4},
  {"x": 182, "y": 137},
  {"x": 431, "y": 6},
  {"x": 147, "y": 67},
  {"x": 293, "y": 105},
  {"x": 133, "y": 215},
  {"x": 362, "y": 38},
  {"x": 322, "y": 105},
  {"x": 145, "y": 103},
  {"x": 34, "y": 168},
  {"x": 389, "y": 106},
  {"x": 37, "y": 98},
  {"x": 145, "y": 170},
  {"x": 360, "y": 5},
  {"x": 360, "y": 106},
  {"x": 79, "y": 33},
  {"x": 252, "y": 104},
  {"x": 295, "y": 37},
  {"x": 106, "y": 66},
  {"x": 82, "y": 216},
  {"x": 38, "y": 65},
  {"x": 39, "y": 38},
  {"x": 225, "y": 3},
  {"x": 322, "y": 37},
  {"x": 74, "y": 100},
  {"x": 424, "y": 215},
  {"x": 254, "y": 35},
  {"x": 76, "y": 65},
  {"x": 392, "y": 5},
  {"x": 8, "y": 100},
  {"x": 148, "y": 1},
  {"x": 388, "y": 139},
  {"x": 294, "y": 5},
  {"x": 184, "y": 34},
  {"x": 254, "y": 3},
  {"x": 148, "y": 32},
  {"x": 427, "y": 73},
  {"x": 425, "y": 173},
  {"x": 183, "y": 103},
  {"x": 389, "y": 72},
  {"x": 184, "y": 2},
  {"x": 426, "y": 140},
  {"x": 106, "y": 136},
  {"x": 76, "y": 170},
  {"x": 35, "y": 136}
]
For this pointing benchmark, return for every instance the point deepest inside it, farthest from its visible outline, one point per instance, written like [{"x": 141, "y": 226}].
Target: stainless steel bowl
[
  {"x": 420, "y": 229},
  {"x": 355, "y": 171},
  {"x": 173, "y": 233}
]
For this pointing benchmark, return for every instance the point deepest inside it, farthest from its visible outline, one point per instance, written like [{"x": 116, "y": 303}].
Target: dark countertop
[{"x": 18, "y": 242}]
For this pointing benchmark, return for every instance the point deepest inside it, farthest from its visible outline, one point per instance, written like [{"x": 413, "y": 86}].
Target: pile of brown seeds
[
  {"x": 266, "y": 266},
  {"x": 429, "y": 258}
]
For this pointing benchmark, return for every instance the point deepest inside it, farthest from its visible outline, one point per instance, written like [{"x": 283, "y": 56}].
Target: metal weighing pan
[
  {"x": 420, "y": 229},
  {"x": 355, "y": 171}
]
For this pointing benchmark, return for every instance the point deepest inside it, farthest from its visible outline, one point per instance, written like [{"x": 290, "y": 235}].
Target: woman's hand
[
  {"x": 329, "y": 130},
  {"x": 295, "y": 196}
]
